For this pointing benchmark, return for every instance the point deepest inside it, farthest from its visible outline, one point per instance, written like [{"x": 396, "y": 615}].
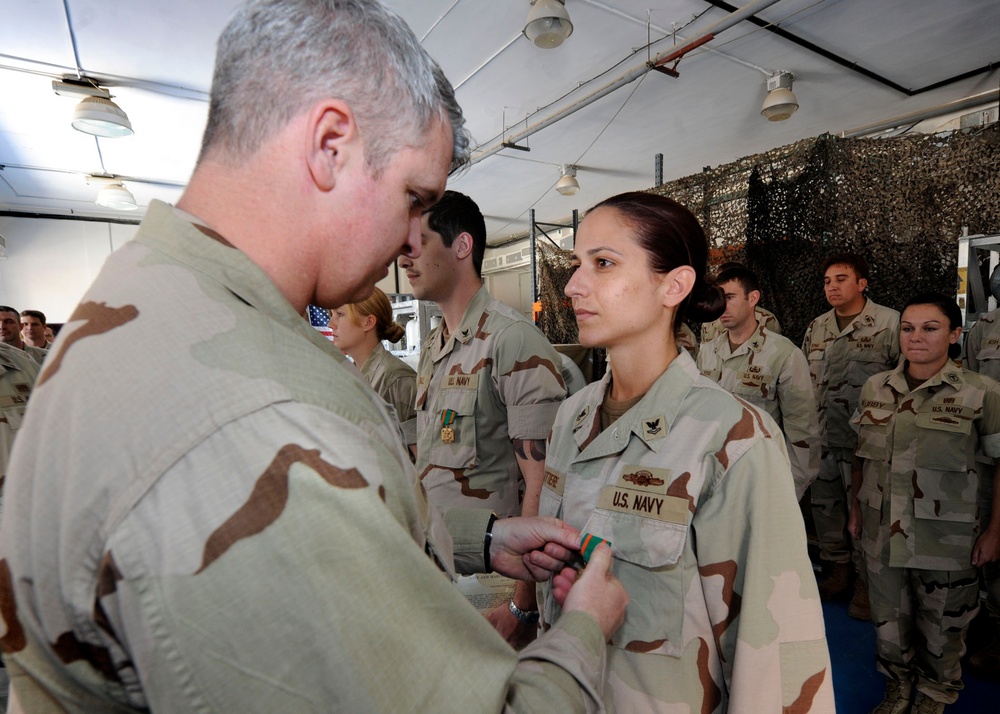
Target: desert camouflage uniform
[
  {"x": 840, "y": 363},
  {"x": 17, "y": 376},
  {"x": 982, "y": 354},
  {"x": 684, "y": 337},
  {"x": 769, "y": 372},
  {"x": 695, "y": 495},
  {"x": 919, "y": 517},
  {"x": 502, "y": 380},
  {"x": 766, "y": 318},
  {"x": 396, "y": 382},
  {"x": 212, "y": 514}
]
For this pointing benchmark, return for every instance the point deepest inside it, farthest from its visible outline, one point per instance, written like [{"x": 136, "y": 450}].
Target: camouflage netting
[{"x": 901, "y": 202}]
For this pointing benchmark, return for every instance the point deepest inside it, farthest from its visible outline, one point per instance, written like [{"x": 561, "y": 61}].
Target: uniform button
[{"x": 615, "y": 434}]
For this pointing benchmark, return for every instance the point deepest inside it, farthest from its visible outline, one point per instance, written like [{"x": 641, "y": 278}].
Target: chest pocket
[
  {"x": 460, "y": 454},
  {"x": 874, "y": 434},
  {"x": 943, "y": 443},
  {"x": 756, "y": 386},
  {"x": 647, "y": 561},
  {"x": 12, "y": 408}
]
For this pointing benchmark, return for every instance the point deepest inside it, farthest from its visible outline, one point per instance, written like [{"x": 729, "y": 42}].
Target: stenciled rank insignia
[
  {"x": 652, "y": 428},
  {"x": 581, "y": 417}
]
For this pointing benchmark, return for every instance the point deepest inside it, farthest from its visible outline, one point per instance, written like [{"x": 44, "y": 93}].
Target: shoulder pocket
[{"x": 873, "y": 433}]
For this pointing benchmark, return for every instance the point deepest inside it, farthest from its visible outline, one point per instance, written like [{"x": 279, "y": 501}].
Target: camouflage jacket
[
  {"x": 17, "y": 376},
  {"x": 396, "y": 382},
  {"x": 765, "y": 318},
  {"x": 494, "y": 378},
  {"x": 769, "y": 372},
  {"x": 919, "y": 483},
  {"x": 214, "y": 514},
  {"x": 841, "y": 362},
  {"x": 709, "y": 628},
  {"x": 982, "y": 346},
  {"x": 684, "y": 337}
]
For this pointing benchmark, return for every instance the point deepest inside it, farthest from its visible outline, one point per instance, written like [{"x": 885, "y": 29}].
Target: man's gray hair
[{"x": 278, "y": 57}]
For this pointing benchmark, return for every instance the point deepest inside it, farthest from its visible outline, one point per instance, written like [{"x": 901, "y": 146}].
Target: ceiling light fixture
[
  {"x": 96, "y": 114},
  {"x": 568, "y": 185},
  {"x": 780, "y": 103},
  {"x": 548, "y": 23},
  {"x": 113, "y": 193}
]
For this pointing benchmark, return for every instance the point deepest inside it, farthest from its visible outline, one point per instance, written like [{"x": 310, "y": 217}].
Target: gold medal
[{"x": 447, "y": 433}]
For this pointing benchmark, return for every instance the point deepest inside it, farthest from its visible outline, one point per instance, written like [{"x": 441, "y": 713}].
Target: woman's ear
[
  {"x": 368, "y": 323},
  {"x": 677, "y": 285}
]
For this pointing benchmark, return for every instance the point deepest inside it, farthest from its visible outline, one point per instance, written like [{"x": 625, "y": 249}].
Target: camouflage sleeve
[
  {"x": 989, "y": 429},
  {"x": 799, "y": 419},
  {"x": 762, "y": 592},
  {"x": 970, "y": 348},
  {"x": 529, "y": 380},
  {"x": 310, "y": 590},
  {"x": 402, "y": 394}
]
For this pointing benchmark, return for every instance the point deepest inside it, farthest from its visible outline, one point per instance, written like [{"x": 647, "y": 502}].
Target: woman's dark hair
[
  {"x": 671, "y": 236},
  {"x": 946, "y": 305}
]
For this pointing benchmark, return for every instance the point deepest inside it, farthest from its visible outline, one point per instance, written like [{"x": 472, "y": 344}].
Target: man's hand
[
  {"x": 596, "y": 592},
  {"x": 987, "y": 547},
  {"x": 532, "y": 548},
  {"x": 517, "y": 634}
]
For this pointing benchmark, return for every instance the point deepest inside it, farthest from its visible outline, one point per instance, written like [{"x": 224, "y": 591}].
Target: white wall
[{"x": 51, "y": 263}]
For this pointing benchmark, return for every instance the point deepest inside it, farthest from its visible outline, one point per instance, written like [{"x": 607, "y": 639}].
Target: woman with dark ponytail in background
[{"x": 691, "y": 486}]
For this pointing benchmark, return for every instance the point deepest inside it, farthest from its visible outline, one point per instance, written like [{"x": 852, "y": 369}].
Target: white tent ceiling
[{"x": 870, "y": 60}]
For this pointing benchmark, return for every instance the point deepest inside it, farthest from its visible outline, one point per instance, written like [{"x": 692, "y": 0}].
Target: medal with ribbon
[{"x": 447, "y": 433}]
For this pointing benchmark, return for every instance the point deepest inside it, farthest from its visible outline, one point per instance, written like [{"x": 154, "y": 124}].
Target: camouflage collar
[
  {"x": 650, "y": 420},
  {"x": 949, "y": 376},
  {"x": 866, "y": 318}
]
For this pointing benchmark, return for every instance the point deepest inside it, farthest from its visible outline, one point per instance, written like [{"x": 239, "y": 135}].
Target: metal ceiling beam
[
  {"x": 674, "y": 55},
  {"x": 844, "y": 62}
]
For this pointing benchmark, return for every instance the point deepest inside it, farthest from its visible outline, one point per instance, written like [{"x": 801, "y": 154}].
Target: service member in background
[
  {"x": 33, "y": 329},
  {"x": 10, "y": 333},
  {"x": 913, "y": 505},
  {"x": 765, "y": 369},
  {"x": 982, "y": 354},
  {"x": 767, "y": 319},
  {"x": 488, "y": 387},
  {"x": 193, "y": 523},
  {"x": 855, "y": 340}
]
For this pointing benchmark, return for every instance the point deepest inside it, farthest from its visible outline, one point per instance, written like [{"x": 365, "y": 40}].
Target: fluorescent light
[
  {"x": 548, "y": 23},
  {"x": 780, "y": 102},
  {"x": 116, "y": 196},
  {"x": 568, "y": 185},
  {"x": 101, "y": 117}
]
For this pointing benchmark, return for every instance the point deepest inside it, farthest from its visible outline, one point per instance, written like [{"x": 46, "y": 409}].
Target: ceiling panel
[{"x": 156, "y": 57}]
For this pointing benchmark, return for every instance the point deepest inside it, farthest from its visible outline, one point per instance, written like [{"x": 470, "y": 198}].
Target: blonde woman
[{"x": 358, "y": 330}]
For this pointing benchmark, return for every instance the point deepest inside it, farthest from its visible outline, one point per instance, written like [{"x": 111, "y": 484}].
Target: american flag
[{"x": 319, "y": 317}]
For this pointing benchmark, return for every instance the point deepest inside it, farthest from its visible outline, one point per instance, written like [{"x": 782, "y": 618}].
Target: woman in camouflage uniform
[
  {"x": 691, "y": 486},
  {"x": 914, "y": 505},
  {"x": 358, "y": 330}
]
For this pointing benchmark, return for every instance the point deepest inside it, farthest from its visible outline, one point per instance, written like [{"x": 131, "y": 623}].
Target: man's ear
[
  {"x": 677, "y": 285},
  {"x": 331, "y": 135},
  {"x": 462, "y": 245},
  {"x": 753, "y": 297}
]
